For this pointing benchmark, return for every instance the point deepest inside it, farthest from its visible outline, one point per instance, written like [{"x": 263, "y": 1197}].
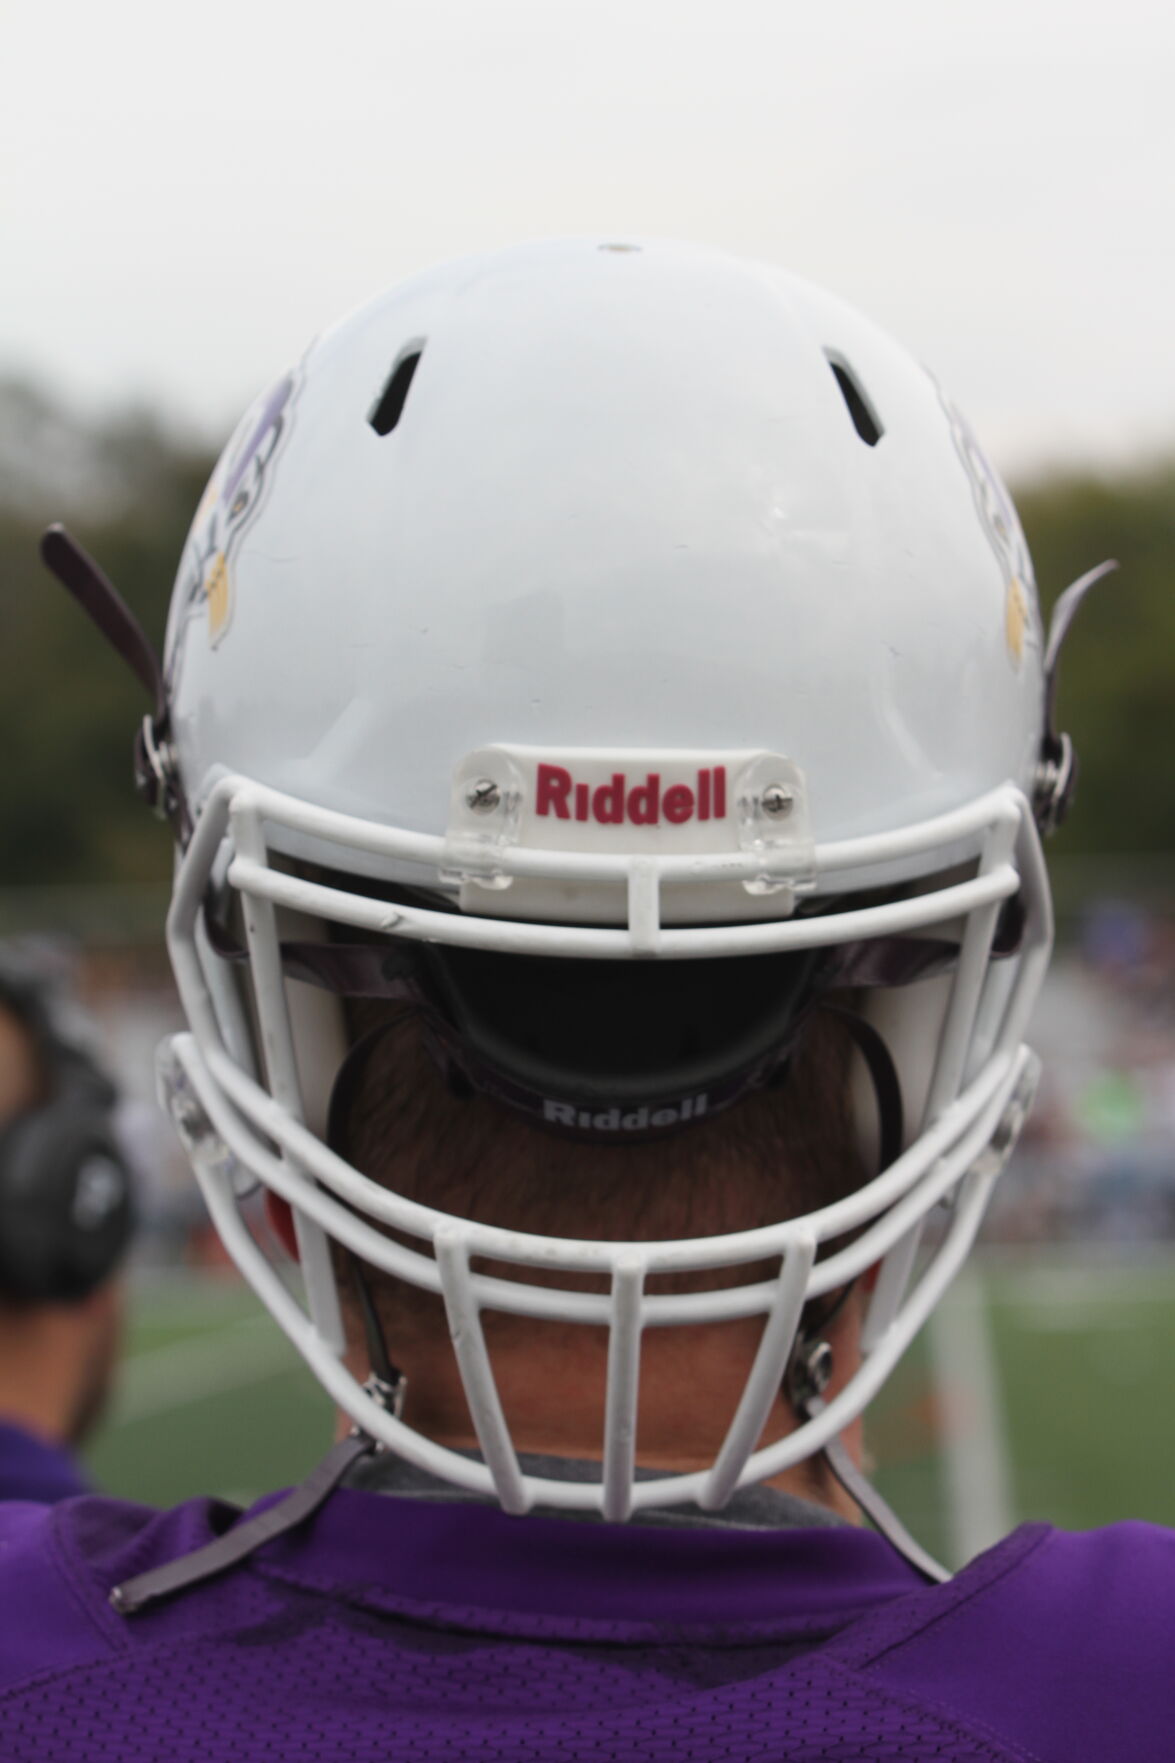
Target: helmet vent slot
[
  {"x": 389, "y": 407},
  {"x": 864, "y": 419}
]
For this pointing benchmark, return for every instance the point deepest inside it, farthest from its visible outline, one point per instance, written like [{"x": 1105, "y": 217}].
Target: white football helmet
[{"x": 568, "y": 618}]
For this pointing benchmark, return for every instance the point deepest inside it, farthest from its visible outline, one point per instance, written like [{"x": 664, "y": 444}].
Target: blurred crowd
[{"x": 1097, "y": 1161}]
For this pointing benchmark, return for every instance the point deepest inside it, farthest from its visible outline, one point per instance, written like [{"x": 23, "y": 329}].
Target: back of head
[{"x": 604, "y": 714}]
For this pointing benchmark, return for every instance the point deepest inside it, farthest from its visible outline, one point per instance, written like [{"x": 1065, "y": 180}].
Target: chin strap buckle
[
  {"x": 388, "y": 1394},
  {"x": 809, "y": 1373},
  {"x": 156, "y": 771}
]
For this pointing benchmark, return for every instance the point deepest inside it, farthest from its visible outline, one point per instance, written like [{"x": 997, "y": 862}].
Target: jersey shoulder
[
  {"x": 48, "y": 1619},
  {"x": 58, "y": 1565},
  {"x": 1059, "y": 1643}
]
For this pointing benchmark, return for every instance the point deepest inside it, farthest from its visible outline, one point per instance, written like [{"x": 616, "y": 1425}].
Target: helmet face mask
[
  {"x": 662, "y": 619},
  {"x": 982, "y": 1080}
]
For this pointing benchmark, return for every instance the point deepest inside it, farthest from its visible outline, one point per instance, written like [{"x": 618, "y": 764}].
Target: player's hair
[{"x": 784, "y": 1150}]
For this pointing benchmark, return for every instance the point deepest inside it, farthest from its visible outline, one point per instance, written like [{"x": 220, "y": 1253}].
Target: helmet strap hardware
[
  {"x": 809, "y": 1372},
  {"x": 156, "y": 772},
  {"x": 386, "y": 1384},
  {"x": 483, "y": 796},
  {"x": 388, "y": 1396},
  {"x": 243, "y": 1538},
  {"x": 1056, "y": 772},
  {"x": 877, "y": 1510}
]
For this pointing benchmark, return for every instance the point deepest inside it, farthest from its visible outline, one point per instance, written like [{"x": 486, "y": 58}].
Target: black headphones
[{"x": 66, "y": 1201}]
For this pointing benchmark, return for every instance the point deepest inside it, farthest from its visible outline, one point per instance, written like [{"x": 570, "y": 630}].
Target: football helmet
[{"x": 612, "y": 650}]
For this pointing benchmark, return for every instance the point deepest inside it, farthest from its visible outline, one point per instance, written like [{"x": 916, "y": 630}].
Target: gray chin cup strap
[{"x": 808, "y": 1377}]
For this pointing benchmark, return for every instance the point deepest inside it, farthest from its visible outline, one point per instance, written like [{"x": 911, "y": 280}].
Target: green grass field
[{"x": 1070, "y": 1420}]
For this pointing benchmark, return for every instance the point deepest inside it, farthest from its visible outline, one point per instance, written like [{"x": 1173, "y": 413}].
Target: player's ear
[{"x": 281, "y": 1221}]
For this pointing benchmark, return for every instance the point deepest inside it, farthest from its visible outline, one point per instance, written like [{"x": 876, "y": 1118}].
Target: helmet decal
[
  {"x": 1005, "y": 534},
  {"x": 644, "y": 803},
  {"x": 633, "y": 1120},
  {"x": 1017, "y": 618},
  {"x": 229, "y": 507}
]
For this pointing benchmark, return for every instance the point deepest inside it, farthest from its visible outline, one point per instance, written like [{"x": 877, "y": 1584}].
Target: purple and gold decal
[
  {"x": 1006, "y": 536},
  {"x": 230, "y": 505}
]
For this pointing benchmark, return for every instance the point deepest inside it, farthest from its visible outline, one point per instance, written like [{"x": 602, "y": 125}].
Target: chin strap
[
  {"x": 809, "y": 1375},
  {"x": 879, "y": 1512},
  {"x": 810, "y": 1370},
  {"x": 226, "y": 1551},
  {"x": 385, "y": 1382},
  {"x": 386, "y": 1385},
  {"x": 157, "y": 776}
]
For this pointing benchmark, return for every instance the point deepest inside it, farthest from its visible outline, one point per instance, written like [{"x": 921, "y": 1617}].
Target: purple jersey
[
  {"x": 390, "y": 1628},
  {"x": 33, "y": 1469}
]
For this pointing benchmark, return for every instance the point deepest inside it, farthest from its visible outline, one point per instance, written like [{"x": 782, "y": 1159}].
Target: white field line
[
  {"x": 976, "y": 1466},
  {"x": 186, "y": 1371},
  {"x": 1056, "y": 1299}
]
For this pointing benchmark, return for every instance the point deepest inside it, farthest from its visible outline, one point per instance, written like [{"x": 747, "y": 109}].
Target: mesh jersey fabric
[{"x": 390, "y": 1628}]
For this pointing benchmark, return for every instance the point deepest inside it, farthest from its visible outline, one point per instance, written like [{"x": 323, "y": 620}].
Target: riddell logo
[
  {"x": 645, "y": 804},
  {"x": 636, "y": 1120}
]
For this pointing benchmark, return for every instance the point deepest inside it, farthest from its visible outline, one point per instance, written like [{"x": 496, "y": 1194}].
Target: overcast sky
[{"x": 191, "y": 193}]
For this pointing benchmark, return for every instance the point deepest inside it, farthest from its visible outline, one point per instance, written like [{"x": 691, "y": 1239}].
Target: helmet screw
[
  {"x": 819, "y": 1367},
  {"x": 483, "y": 796},
  {"x": 810, "y": 1371},
  {"x": 190, "y": 1119},
  {"x": 778, "y": 801}
]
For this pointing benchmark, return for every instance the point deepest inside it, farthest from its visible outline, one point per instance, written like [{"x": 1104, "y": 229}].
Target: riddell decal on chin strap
[
  {"x": 598, "y": 1119},
  {"x": 631, "y": 1120}
]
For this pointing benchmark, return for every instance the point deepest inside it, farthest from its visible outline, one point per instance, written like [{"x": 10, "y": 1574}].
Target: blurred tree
[
  {"x": 68, "y": 706},
  {"x": 1117, "y": 693}
]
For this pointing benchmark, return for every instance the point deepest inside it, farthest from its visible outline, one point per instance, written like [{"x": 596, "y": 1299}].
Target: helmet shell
[{"x": 631, "y": 500}]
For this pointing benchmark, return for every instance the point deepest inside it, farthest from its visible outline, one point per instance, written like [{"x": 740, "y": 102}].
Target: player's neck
[
  {"x": 551, "y": 1385},
  {"x": 56, "y": 1362}
]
